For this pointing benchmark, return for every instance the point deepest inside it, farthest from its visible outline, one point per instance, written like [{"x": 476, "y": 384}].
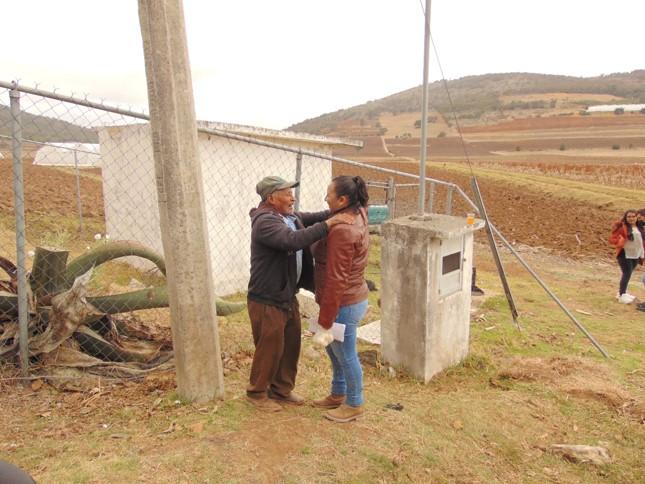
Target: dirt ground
[
  {"x": 491, "y": 419},
  {"x": 52, "y": 190}
]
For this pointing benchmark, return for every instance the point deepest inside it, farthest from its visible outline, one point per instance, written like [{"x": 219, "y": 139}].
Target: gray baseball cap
[{"x": 270, "y": 184}]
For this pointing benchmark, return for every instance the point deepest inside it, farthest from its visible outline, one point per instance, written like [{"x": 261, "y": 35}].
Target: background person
[
  {"x": 640, "y": 223},
  {"x": 341, "y": 292},
  {"x": 281, "y": 263},
  {"x": 627, "y": 238}
]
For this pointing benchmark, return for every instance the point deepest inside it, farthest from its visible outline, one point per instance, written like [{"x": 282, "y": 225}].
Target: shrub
[
  {"x": 562, "y": 147},
  {"x": 619, "y": 111},
  {"x": 442, "y": 134},
  {"x": 615, "y": 147},
  {"x": 517, "y": 148}
]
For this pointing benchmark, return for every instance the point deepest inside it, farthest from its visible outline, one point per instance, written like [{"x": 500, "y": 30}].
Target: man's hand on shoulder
[{"x": 341, "y": 218}]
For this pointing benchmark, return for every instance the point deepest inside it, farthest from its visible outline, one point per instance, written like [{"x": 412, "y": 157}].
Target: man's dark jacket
[{"x": 273, "y": 254}]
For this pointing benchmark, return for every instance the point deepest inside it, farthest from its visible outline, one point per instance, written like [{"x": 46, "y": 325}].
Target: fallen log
[{"x": 65, "y": 320}]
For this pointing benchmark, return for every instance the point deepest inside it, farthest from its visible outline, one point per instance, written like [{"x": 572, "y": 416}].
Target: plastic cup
[{"x": 470, "y": 219}]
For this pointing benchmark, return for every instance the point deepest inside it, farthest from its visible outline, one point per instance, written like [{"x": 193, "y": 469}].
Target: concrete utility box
[{"x": 425, "y": 301}]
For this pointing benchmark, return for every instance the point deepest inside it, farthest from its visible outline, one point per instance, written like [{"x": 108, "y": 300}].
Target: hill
[
  {"x": 42, "y": 128},
  {"x": 485, "y": 98}
]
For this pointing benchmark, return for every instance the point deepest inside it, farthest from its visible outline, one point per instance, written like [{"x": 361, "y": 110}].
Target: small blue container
[{"x": 377, "y": 214}]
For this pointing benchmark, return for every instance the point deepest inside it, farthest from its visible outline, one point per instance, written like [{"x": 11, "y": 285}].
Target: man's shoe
[
  {"x": 344, "y": 413},
  {"x": 291, "y": 399},
  {"x": 264, "y": 404},
  {"x": 330, "y": 401}
]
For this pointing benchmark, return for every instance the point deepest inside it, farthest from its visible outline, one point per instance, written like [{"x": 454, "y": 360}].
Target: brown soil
[
  {"x": 51, "y": 190},
  {"x": 522, "y": 215}
]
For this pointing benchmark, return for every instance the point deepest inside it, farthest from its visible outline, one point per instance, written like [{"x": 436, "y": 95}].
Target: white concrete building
[
  {"x": 83, "y": 155},
  {"x": 230, "y": 171},
  {"x": 610, "y": 108}
]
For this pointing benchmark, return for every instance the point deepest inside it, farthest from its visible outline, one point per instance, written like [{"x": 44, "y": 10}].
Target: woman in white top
[{"x": 627, "y": 237}]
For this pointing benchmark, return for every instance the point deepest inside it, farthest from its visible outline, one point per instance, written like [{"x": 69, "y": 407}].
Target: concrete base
[{"x": 425, "y": 300}]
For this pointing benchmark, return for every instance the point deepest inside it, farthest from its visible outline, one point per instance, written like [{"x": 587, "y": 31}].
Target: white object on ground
[{"x": 370, "y": 333}]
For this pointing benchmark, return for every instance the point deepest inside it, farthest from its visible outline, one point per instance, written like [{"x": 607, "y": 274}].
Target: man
[{"x": 281, "y": 263}]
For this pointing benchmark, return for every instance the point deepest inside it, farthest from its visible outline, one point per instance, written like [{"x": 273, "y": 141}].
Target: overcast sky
[{"x": 275, "y": 63}]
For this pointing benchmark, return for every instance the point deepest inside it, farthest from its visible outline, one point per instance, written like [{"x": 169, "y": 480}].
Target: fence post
[
  {"x": 78, "y": 193},
  {"x": 431, "y": 197},
  {"x": 449, "y": 200},
  {"x": 298, "y": 177},
  {"x": 390, "y": 196},
  {"x": 19, "y": 205}
]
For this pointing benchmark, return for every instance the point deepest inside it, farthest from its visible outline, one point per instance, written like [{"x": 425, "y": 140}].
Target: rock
[
  {"x": 308, "y": 307},
  {"x": 369, "y": 358},
  {"x": 310, "y": 353},
  {"x": 582, "y": 453}
]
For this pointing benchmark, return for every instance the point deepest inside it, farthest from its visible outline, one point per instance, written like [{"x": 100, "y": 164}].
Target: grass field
[{"x": 491, "y": 419}]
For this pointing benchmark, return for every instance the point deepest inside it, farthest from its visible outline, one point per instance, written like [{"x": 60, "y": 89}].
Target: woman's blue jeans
[{"x": 348, "y": 375}]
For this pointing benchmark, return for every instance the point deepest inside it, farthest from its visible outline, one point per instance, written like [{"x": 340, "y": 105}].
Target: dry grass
[
  {"x": 399, "y": 124},
  {"x": 615, "y": 175},
  {"x": 489, "y": 419},
  {"x": 564, "y": 187}
]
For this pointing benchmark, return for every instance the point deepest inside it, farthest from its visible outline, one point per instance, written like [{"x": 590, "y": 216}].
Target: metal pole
[
  {"x": 449, "y": 200},
  {"x": 19, "y": 204},
  {"x": 537, "y": 278},
  {"x": 551, "y": 294},
  {"x": 298, "y": 178},
  {"x": 78, "y": 193},
  {"x": 493, "y": 247},
  {"x": 424, "y": 112},
  {"x": 390, "y": 196}
]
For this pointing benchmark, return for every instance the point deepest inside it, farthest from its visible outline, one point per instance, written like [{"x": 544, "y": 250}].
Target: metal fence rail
[{"x": 97, "y": 216}]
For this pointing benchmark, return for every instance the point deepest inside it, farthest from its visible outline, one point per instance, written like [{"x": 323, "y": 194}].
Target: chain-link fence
[{"x": 83, "y": 210}]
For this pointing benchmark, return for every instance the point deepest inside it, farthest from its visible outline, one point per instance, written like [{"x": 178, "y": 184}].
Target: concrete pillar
[
  {"x": 426, "y": 265},
  {"x": 181, "y": 201}
]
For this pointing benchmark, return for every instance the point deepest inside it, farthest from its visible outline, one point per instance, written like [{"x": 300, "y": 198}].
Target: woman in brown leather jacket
[{"x": 341, "y": 292}]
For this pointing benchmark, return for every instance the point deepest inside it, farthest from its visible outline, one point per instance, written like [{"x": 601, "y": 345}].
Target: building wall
[
  {"x": 62, "y": 154},
  {"x": 230, "y": 171},
  {"x": 610, "y": 108}
]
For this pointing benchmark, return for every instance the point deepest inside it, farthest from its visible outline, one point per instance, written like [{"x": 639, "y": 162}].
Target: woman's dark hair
[
  {"x": 630, "y": 235},
  {"x": 354, "y": 188}
]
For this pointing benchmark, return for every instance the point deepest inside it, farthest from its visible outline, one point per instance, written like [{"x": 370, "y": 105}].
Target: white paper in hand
[{"x": 337, "y": 329}]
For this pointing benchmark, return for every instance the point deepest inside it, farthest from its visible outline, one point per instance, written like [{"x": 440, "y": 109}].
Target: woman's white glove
[{"x": 323, "y": 337}]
